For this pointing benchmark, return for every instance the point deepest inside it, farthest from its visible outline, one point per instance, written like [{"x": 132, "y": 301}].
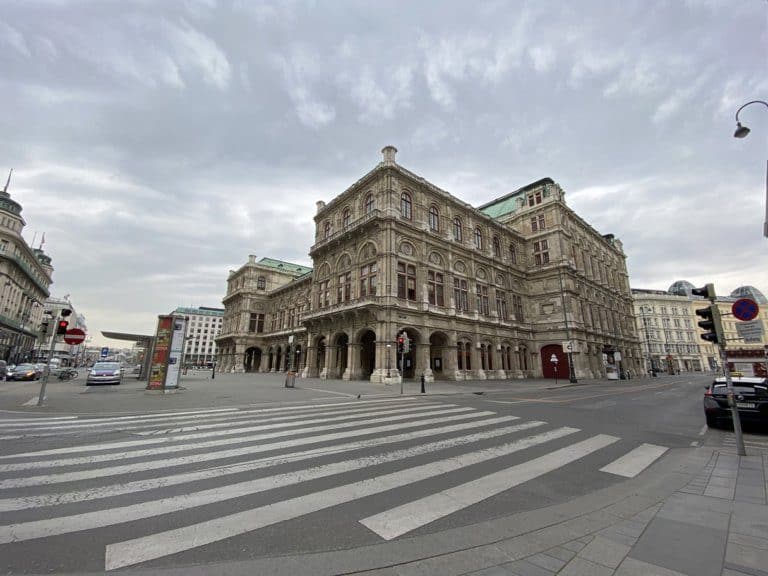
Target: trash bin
[{"x": 290, "y": 379}]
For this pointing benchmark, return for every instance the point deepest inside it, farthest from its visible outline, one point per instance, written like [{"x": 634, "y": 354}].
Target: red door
[{"x": 548, "y": 367}]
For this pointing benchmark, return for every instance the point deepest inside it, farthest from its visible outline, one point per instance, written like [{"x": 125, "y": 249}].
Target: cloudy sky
[{"x": 157, "y": 144}]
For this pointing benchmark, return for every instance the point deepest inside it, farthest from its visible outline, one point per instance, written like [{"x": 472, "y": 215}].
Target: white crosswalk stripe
[{"x": 331, "y": 454}]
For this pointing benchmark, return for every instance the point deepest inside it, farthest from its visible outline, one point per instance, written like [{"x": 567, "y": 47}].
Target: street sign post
[
  {"x": 750, "y": 332},
  {"x": 745, "y": 309},
  {"x": 74, "y": 336},
  {"x": 104, "y": 352}
]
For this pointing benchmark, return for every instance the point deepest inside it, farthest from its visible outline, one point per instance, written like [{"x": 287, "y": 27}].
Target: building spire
[{"x": 7, "y": 182}]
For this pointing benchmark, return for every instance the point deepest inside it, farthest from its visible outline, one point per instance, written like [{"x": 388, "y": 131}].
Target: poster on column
[
  {"x": 159, "y": 364},
  {"x": 175, "y": 355}
]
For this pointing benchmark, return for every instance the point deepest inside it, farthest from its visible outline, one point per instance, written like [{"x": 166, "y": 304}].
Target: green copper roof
[
  {"x": 505, "y": 206},
  {"x": 284, "y": 266}
]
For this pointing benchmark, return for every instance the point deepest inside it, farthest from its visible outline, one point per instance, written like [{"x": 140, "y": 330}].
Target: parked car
[
  {"x": 750, "y": 396},
  {"x": 104, "y": 373},
  {"x": 24, "y": 372}
]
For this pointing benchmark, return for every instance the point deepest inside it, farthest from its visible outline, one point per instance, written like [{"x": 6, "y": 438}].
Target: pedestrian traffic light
[
  {"x": 708, "y": 292},
  {"x": 711, "y": 324},
  {"x": 62, "y": 327},
  {"x": 406, "y": 343}
]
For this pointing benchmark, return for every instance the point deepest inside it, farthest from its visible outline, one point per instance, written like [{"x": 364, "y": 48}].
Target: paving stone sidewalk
[{"x": 716, "y": 525}]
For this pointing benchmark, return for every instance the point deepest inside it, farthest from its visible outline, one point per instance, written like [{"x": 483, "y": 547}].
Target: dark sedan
[
  {"x": 24, "y": 372},
  {"x": 749, "y": 394}
]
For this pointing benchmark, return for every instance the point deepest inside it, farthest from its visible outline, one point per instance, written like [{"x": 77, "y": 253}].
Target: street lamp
[
  {"x": 569, "y": 352},
  {"x": 554, "y": 361},
  {"x": 643, "y": 310},
  {"x": 741, "y": 132},
  {"x": 389, "y": 355}
]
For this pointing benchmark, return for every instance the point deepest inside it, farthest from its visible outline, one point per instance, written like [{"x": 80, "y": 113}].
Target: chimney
[
  {"x": 320, "y": 205},
  {"x": 389, "y": 154},
  {"x": 251, "y": 259}
]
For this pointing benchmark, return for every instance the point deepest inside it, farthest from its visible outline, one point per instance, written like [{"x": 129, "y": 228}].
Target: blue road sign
[
  {"x": 745, "y": 309},
  {"x": 104, "y": 352}
]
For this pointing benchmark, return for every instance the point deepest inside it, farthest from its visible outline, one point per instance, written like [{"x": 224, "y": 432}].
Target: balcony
[
  {"x": 343, "y": 307},
  {"x": 372, "y": 215}
]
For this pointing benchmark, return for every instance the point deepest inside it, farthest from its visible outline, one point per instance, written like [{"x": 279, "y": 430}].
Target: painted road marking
[
  {"x": 33, "y": 401},
  {"x": 209, "y": 456},
  {"x": 91, "y": 494},
  {"x": 169, "y": 542},
  {"x": 635, "y": 461},
  {"x": 358, "y": 420},
  {"x": 118, "y": 515},
  {"x": 402, "y": 519},
  {"x": 331, "y": 392}
]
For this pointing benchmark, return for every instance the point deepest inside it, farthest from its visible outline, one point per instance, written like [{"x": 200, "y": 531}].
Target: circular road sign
[
  {"x": 74, "y": 336},
  {"x": 745, "y": 309}
]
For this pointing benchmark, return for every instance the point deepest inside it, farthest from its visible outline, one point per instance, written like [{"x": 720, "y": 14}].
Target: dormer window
[{"x": 261, "y": 283}]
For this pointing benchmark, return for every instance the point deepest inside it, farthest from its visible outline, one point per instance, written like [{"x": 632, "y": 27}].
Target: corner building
[{"x": 493, "y": 292}]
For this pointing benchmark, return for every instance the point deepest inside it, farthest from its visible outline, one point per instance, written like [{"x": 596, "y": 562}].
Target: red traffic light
[{"x": 62, "y": 327}]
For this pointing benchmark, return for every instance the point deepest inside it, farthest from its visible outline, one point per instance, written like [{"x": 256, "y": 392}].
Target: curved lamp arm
[{"x": 747, "y": 104}]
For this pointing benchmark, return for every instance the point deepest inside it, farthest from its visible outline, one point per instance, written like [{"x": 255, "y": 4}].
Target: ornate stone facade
[{"x": 489, "y": 292}]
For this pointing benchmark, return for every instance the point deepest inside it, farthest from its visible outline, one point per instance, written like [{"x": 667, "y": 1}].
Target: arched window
[
  {"x": 496, "y": 247},
  {"x": 261, "y": 283},
  {"x": 327, "y": 230},
  {"x": 513, "y": 253},
  {"x": 368, "y": 204},
  {"x": 434, "y": 218},
  {"x": 405, "y": 205},
  {"x": 457, "y": 235},
  {"x": 478, "y": 239},
  {"x": 345, "y": 217}
]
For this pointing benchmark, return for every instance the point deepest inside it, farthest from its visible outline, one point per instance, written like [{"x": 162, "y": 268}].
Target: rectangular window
[
  {"x": 482, "y": 300},
  {"x": 368, "y": 280},
  {"x": 323, "y": 297},
  {"x": 501, "y": 304},
  {"x": 541, "y": 252},
  {"x": 344, "y": 288},
  {"x": 461, "y": 294},
  {"x": 406, "y": 281},
  {"x": 252, "y": 322},
  {"x": 435, "y": 288},
  {"x": 517, "y": 303},
  {"x": 3, "y": 245}
]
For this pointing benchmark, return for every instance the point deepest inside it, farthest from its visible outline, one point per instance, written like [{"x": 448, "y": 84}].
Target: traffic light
[
  {"x": 406, "y": 343},
  {"x": 65, "y": 312},
  {"x": 400, "y": 343},
  {"x": 708, "y": 292},
  {"x": 62, "y": 326},
  {"x": 45, "y": 324},
  {"x": 712, "y": 324}
]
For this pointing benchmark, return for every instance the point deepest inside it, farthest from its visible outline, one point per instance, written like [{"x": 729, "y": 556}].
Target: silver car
[{"x": 105, "y": 373}]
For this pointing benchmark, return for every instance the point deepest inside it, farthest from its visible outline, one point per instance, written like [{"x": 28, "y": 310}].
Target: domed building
[
  {"x": 749, "y": 292},
  {"x": 681, "y": 288}
]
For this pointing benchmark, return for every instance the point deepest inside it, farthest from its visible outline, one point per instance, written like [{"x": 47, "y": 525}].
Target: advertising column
[
  {"x": 175, "y": 354},
  {"x": 164, "y": 370}
]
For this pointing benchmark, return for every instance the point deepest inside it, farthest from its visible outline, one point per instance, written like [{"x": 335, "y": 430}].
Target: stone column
[
  {"x": 422, "y": 363},
  {"x": 383, "y": 337},
  {"x": 477, "y": 364},
  {"x": 353, "y": 362},
  {"x": 326, "y": 371},
  {"x": 497, "y": 363},
  {"x": 310, "y": 363}
]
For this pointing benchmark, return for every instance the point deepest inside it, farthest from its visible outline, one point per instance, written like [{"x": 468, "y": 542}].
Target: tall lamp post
[
  {"x": 643, "y": 310},
  {"x": 741, "y": 132},
  {"x": 569, "y": 352}
]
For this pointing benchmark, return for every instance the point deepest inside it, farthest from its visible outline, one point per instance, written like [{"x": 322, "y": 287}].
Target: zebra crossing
[{"x": 180, "y": 481}]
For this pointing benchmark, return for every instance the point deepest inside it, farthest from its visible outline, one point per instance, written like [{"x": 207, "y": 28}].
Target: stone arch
[
  {"x": 340, "y": 343},
  {"x": 366, "y": 338},
  {"x": 343, "y": 262},
  {"x": 436, "y": 259},
  {"x": 367, "y": 251},
  {"x": 252, "y": 359},
  {"x": 551, "y": 369},
  {"x": 324, "y": 270},
  {"x": 439, "y": 353}
]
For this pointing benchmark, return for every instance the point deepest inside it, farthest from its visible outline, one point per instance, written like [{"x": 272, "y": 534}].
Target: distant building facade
[
  {"x": 63, "y": 353},
  {"x": 496, "y": 291},
  {"x": 668, "y": 326},
  {"x": 202, "y": 327},
  {"x": 25, "y": 277}
]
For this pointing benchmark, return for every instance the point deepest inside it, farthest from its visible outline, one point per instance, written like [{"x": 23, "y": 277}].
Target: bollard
[{"x": 423, "y": 391}]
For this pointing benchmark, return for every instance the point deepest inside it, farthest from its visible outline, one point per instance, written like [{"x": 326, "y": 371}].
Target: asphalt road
[{"x": 206, "y": 485}]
